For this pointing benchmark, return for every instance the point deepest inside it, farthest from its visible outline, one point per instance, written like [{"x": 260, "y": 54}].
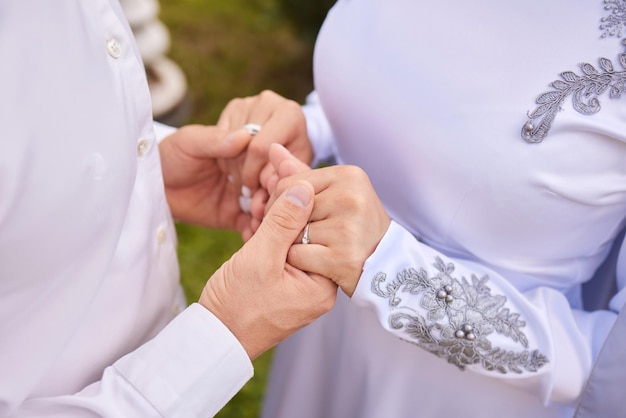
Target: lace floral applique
[
  {"x": 461, "y": 316},
  {"x": 585, "y": 88}
]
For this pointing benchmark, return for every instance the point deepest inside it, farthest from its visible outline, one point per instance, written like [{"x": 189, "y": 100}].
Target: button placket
[
  {"x": 160, "y": 235},
  {"x": 143, "y": 145},
  {"x": 114, "y": 48}
]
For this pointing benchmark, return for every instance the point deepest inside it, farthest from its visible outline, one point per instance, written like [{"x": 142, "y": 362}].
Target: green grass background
[{"x": 236, "y": 48}]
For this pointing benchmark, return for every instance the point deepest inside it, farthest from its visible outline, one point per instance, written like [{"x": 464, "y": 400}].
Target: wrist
[{"x": 237, "y": 321}]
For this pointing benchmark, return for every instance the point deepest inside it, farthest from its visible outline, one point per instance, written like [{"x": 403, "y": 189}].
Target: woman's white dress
[{"x": 495, "y": 134}]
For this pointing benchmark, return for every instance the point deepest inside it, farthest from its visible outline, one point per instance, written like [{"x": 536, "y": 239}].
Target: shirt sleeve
[
  {"x": 162, "y": 131},
  {"x": 318, "y": 130},
  {"x": 470, "y": 315},
  {"x": 192, "y": 368}
]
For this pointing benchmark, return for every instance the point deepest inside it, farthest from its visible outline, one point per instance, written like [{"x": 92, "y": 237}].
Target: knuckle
[
  {"x": 352, "y": 204},
  {"x": 293, "y": 107},
  {"x": 282, "y": 184},
  {"x": 358, "y": 180},
  {"x": 267, "y": 94},
  {"x": 258, "y": 149},
  {"x": 283, "y": 219},
  {"x": 356, "y": 173},
  {"x": 235, "y": 103}
]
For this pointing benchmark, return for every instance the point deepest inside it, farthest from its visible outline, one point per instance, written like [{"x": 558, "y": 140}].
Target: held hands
[
  {"x": 347, "y": 223},
  {"x": 281, "y": 120},
  {"x": 204, "y": 167},
  {"x": 256, "y": 294},
  {"x": 348, "y": 220}
]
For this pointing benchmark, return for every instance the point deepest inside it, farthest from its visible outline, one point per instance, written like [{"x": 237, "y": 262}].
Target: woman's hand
[{"x": 346, "y": 225}]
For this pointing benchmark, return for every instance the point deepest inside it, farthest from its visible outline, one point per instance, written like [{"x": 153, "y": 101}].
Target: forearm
[
  {"x": 191, "y": 368},
  {"x": 473, "y": 317}
]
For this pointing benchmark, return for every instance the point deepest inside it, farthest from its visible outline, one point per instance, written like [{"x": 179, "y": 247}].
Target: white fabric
[
  {"x": 88, "y": 269},
  {"x": 619, "y": 301},
  {"x": 430, "y": 99},
  {"x": 162, "y": 131},
  {"x": 318, "y": 127}
]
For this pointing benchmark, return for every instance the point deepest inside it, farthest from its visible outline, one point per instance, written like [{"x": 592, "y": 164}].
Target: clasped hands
[
  {"x": 274, "y": 284},
  {"x": 348, "y": 219}
]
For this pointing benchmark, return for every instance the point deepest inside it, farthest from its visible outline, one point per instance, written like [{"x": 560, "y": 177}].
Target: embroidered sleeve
[{"x": 460, "y": 318}]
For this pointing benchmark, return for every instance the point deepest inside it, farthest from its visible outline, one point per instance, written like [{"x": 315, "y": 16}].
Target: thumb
[
  {"x": 286, "y": 219},
  {"x": 284, "y": 164}
]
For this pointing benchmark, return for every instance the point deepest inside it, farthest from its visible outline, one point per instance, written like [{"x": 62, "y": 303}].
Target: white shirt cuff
[
  {"x": 162, "y": 131},
  {"x": 193, "y": 367}
]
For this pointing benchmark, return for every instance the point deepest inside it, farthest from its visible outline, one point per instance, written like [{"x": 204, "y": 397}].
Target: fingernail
[
  {"x": 299, "y": 194},
  {"x": 245, "y": 191},
  {"x": 230, "y": 178}
]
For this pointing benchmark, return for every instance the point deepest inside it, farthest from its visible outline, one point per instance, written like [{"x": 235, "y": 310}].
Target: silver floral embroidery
[
  {"x": 461, "y": 316},
  {"x": 615, "y": 22},
  {"x": 586, "y": 88}
]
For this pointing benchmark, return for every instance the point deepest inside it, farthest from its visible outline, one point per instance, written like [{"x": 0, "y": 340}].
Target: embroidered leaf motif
[
  {"x": 569, "y": 76},
  {"x": 588, "y": 69},
  {"x": 584, "y": 91},
  {"x": 559, "y": 85},
  {"x": 460, "y": 316},
  {"x": 549, "y": 97},
  {"x": 617, "y": 89},
  {"x": 606, "y": 65}
]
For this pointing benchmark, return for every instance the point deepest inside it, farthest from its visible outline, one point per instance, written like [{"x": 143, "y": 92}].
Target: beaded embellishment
[
  {"x": 586, "y": 87},
  {"x": 460, "y": 318}
]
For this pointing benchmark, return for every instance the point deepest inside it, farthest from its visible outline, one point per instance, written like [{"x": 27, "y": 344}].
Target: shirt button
[
  {"x": 142, "y": 147},
  {"x": 114, "y": 48},
  {"x": 160, "y": 235}
]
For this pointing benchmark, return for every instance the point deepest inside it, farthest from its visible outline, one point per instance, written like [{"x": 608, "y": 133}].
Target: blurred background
[{"x": 200, "y": 54}]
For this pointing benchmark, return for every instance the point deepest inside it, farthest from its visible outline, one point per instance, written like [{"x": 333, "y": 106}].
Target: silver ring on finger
[{"x": 252, "y": 128}]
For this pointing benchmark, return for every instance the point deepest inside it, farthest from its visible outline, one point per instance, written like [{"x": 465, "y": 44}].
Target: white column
[{"x": 167, "y": 82}]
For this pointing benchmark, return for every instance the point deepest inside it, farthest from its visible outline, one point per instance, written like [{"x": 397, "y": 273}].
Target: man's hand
[
  {"x": 198, "y": 191},
  {"x": 256, "y": 294}
]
